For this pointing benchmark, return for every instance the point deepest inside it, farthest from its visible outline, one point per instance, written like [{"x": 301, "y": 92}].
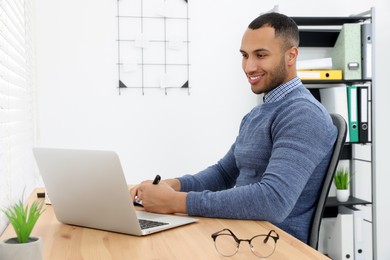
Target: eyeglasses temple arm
[
  {"x": 269, "y": 235},
  {"x": 214, "y": 236}
]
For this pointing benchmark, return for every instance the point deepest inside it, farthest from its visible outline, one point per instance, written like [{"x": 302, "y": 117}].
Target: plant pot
[
  {"x": 342, "y": 195},
  {"x": 11, "y": 249}
]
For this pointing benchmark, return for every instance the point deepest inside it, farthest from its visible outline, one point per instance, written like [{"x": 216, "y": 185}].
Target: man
[{"x": 275, "y": 168}]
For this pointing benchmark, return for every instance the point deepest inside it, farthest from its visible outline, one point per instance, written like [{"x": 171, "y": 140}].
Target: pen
[{"x": 157, "y": 179}]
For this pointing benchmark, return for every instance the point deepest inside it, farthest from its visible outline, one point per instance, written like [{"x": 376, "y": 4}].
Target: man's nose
[{"x": 250, "y": 65}]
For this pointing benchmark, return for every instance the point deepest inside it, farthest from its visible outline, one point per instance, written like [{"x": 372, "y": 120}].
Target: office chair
[{"x": 341, "y": 125}]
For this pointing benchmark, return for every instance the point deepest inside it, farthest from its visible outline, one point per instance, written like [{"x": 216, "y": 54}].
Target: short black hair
[{"x": 284, "y": 26}]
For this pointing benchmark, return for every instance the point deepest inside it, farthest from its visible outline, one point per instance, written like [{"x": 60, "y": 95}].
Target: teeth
[{"x": 254, "y": 78}]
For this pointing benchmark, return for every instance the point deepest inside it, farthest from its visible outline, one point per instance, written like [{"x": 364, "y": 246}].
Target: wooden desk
[{"x": 187, "y": 242}]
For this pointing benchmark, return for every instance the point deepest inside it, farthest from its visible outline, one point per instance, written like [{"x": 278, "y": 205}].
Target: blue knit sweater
[{"x": 275, "y": 168}]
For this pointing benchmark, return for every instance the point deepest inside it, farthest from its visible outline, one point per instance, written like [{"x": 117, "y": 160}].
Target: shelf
[
  {"x": 331, "y": 206},
  {"x": 338, "y": 81},
  {"x": 331, "y": 21},
  {"x": 332, "y": 202}
]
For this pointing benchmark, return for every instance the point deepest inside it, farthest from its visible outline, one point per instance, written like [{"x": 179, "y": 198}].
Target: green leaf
[
  {"x": 23, "y": 219},
  {"x": 341, "y": 179}
]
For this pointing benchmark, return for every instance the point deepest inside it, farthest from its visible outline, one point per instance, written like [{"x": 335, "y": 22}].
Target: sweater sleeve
[{"x": 302, "y": 137}]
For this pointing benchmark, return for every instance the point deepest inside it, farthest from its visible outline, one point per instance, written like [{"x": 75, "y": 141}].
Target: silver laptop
[{"x": 88, "y": 188}]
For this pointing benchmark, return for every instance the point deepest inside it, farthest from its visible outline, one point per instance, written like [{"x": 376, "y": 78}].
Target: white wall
[{"x": 79, "y": 105}]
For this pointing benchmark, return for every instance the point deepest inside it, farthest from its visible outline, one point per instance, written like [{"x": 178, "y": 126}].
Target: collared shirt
[{"x": 281, "y": 91}]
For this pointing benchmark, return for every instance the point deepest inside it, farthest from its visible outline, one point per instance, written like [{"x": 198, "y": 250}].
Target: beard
[
  {"x": 273, "y": 78},
  {"x": 276, "y": 76}
]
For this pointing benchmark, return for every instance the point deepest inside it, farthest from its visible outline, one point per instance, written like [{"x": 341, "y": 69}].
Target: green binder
[
  {"x": 346, "y": 53},
  {"x": 353, "y": 114}
]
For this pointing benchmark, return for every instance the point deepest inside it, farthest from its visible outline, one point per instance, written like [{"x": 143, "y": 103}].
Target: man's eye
[{"x": 259, "y": 55}]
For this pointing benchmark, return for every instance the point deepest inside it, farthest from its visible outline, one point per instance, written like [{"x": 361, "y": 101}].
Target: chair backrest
[{"x": 341, "y": 126}]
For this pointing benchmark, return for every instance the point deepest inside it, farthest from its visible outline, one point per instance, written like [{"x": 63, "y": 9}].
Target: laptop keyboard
[{"x": 149, "y": 223}]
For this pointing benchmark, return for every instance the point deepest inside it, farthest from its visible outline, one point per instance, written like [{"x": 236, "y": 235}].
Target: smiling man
[
  {"x": 274, "y": 169},
  {"x": 269, "y": 53}
]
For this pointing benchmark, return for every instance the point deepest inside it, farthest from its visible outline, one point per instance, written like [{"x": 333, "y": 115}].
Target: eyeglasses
[{"x": 227, "y": 244}]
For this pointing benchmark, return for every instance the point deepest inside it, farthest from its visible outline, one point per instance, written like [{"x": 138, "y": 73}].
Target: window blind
[{"x": 16, "y": 102}]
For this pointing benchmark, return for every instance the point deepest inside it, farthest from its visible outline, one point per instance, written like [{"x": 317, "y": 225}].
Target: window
[{"x": 16, "y": 102}]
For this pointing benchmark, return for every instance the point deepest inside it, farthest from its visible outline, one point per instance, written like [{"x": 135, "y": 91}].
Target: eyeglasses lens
[
  {"x": 261, "y": 247},
  {"x": 226, "y": 245}
]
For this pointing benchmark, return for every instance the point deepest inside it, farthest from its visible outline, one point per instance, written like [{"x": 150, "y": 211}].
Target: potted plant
[
  {"x": 341, "y": 180},
  {"x": 23, "y": 220}
]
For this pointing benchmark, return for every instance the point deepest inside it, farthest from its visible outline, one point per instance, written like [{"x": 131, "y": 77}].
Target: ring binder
[{"x": 346, "y": 54}]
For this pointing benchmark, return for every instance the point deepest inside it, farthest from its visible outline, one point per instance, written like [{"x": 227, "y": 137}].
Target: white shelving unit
[{"x": 317, "y": 38}]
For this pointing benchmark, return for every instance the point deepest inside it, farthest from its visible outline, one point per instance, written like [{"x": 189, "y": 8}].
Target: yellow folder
[{"x": 320, "y": 74}]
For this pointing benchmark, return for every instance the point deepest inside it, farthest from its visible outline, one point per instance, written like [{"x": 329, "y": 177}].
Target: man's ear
[{"x": 292, "y": 55}]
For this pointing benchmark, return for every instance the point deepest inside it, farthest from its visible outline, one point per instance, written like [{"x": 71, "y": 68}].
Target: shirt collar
[{"x": 281, "y": 91}]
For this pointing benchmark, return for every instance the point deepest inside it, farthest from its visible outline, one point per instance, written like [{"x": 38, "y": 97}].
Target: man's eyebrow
[
  {"x": 257, "y": 50},
  {"x": 261, "y": 50}
]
